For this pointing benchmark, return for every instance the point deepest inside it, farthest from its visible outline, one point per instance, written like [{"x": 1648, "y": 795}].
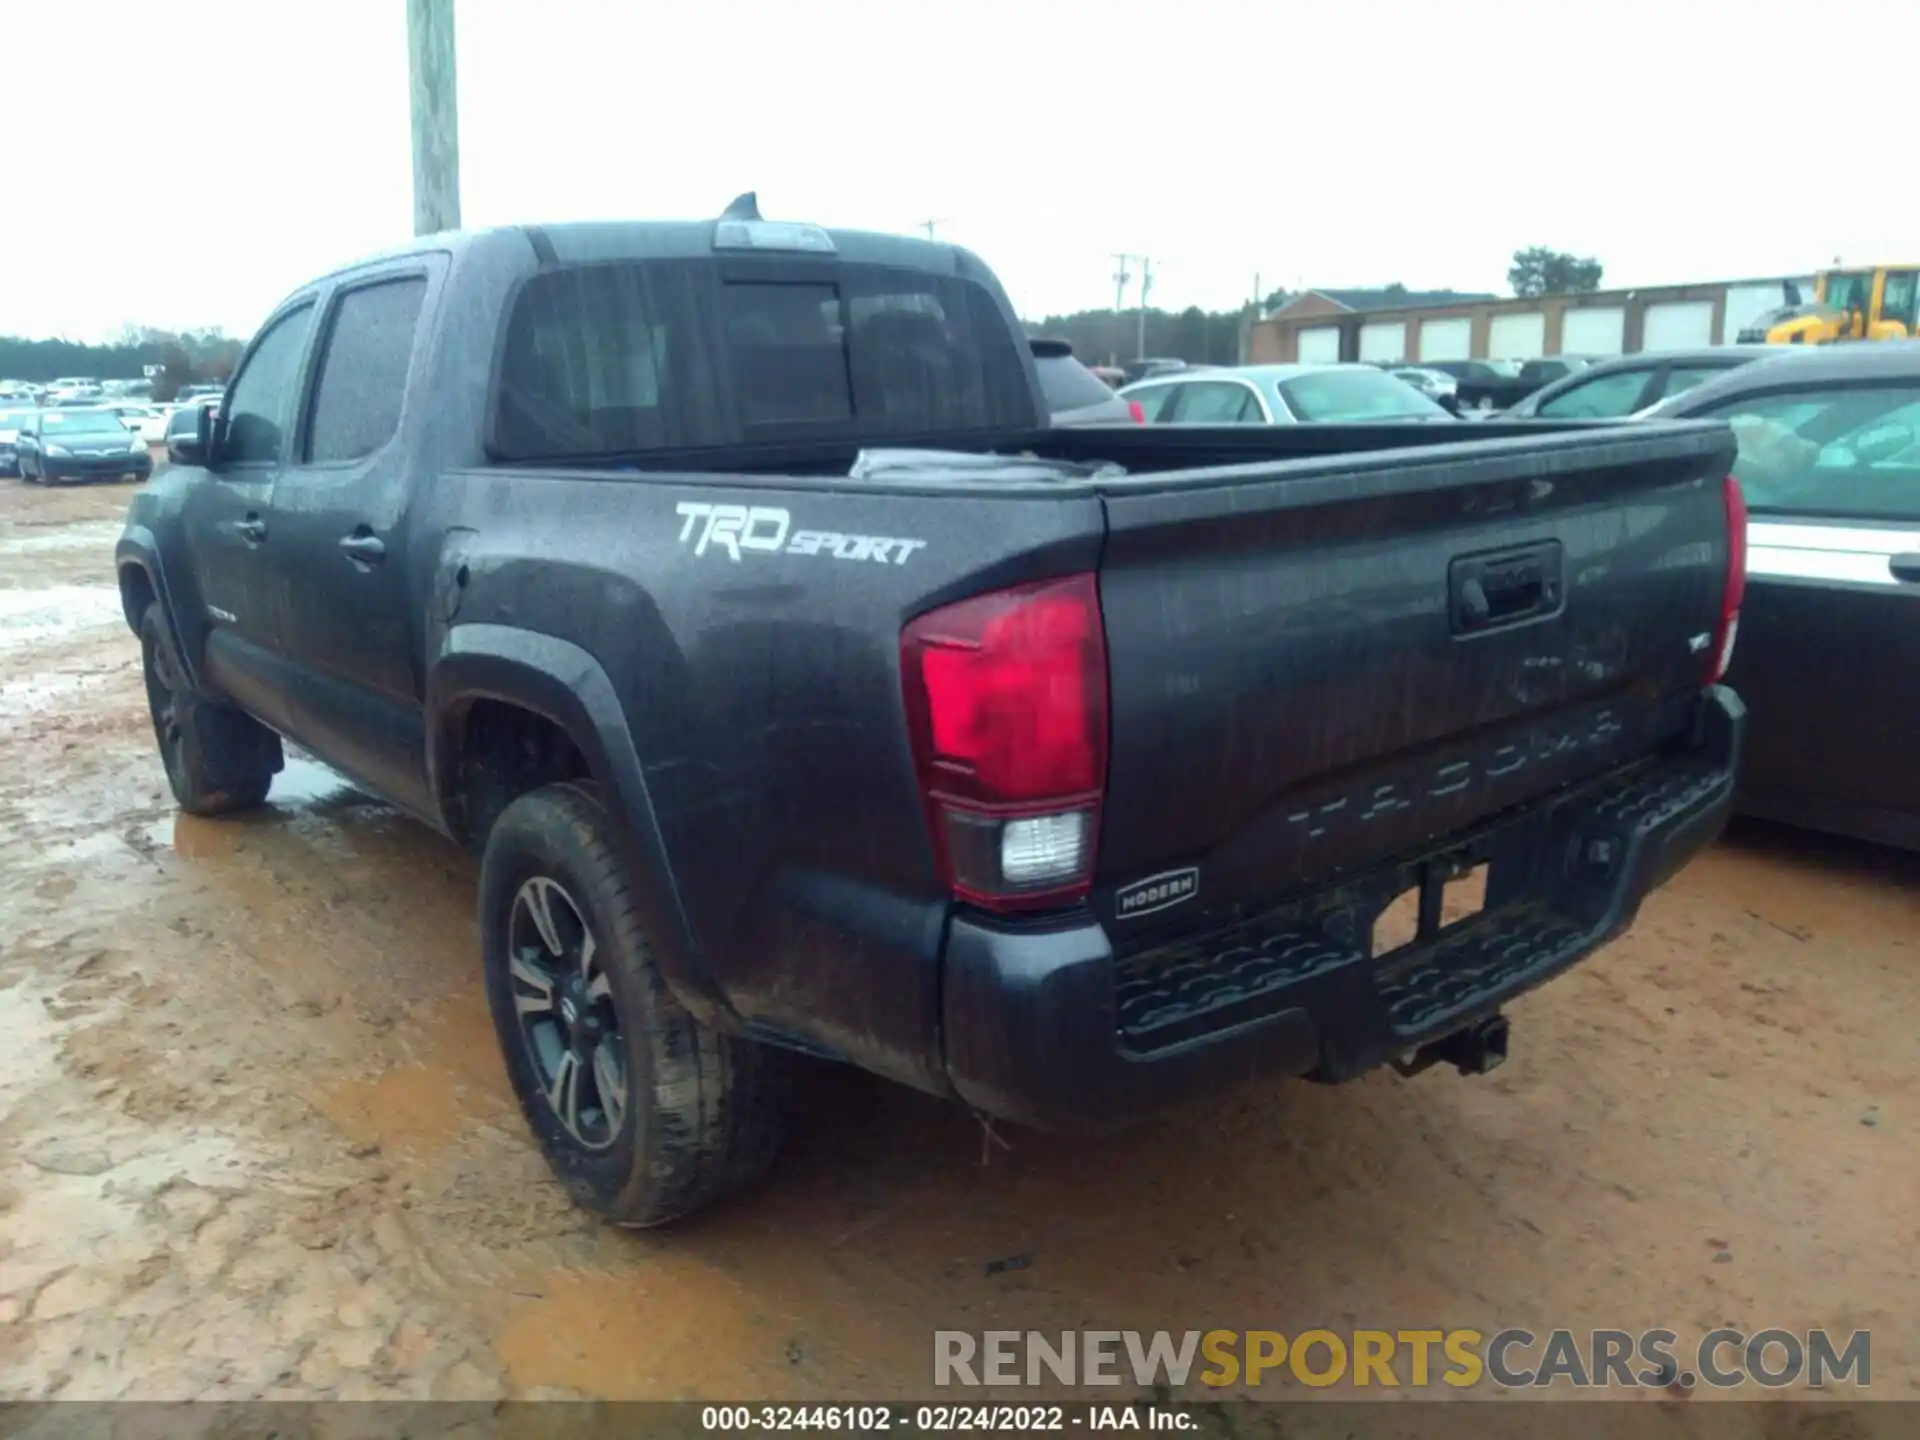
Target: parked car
[
  {"x": 1613, "y": 389},
  {"x": 1151, "y": 365},
  {"x": 1495, "y": 385},
  {"x": 12, "y": 422},
  {"x": 147, "y": 421},
  {"x": 58, "y": 445},
  {"x": 1829, "y": 653},
  {"x": 1075, "y": 395},
  {"x": 804, "y": 689},
  {"x": 1436, "y": 385},
  {"x": 1280, "y": 395}
]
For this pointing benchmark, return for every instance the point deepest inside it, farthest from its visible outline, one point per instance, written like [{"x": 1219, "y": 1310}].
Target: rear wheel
[
  {"x": 642, "y": 1112},
  {"x": 217, "y": 759}
]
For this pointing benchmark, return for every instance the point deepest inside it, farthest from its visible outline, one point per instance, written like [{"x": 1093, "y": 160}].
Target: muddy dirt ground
[{"x": 255, "y": 1140}]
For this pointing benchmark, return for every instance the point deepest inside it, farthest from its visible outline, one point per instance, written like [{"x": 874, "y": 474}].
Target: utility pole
[
  {"x": 930, "y": 226},
  {"x": 1120, "y": 277},
  {"x": 1146, "y": 287},
  {"x": 436, "y": 116}
]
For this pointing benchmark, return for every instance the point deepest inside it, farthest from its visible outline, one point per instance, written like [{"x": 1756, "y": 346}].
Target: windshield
[
  {"x": 1069, "y": 385},
  {"x": 1358, "y": 394},
  {"x": 59, "y": 423}
]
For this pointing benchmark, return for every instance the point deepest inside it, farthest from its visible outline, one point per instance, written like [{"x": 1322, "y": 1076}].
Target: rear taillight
[
  {"x": 1735, "y": 588},
  {"x": 1006, "y": 698},
  {"x": 1137, "y": 411}
]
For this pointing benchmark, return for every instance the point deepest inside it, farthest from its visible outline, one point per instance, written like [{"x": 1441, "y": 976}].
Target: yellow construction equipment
[{"x": 1872, "y": 302}]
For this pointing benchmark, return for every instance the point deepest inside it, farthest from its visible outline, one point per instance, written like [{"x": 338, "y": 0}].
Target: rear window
[
  {"x": 646, "y": 355},
  {"x": 1355, "y": 395},
  {"x": 1069, "y": 385}
]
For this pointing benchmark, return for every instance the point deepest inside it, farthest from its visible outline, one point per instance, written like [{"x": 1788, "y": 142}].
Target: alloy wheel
[{"x": 568, "y": 1022}]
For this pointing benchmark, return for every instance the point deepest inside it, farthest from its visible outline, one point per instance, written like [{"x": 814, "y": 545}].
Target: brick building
[{"x": 1326, "y": 325}]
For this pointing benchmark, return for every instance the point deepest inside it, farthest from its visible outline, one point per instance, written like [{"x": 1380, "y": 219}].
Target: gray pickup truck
[{"x": 724, "y": 585}]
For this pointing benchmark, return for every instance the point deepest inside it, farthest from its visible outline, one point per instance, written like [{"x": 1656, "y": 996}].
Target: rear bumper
[{"x": 1050, "y": 1027}]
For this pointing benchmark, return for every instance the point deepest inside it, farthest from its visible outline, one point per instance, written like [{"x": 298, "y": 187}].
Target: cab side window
[
  {"x": 1900, "y": 300},
  {"x": 259, "y": 406}
]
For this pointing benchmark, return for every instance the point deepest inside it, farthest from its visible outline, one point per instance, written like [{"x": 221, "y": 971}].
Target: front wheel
[
  {"x": 217, "y": 759},
  {"x": 642, "y": 1112}
]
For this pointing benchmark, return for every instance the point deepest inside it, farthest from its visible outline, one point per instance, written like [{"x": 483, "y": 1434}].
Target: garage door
[
  {"x": 1384, "y": 340},
  {"x": 1320, "y": 345},
  {"x": 1677, "y": 324},
  {"x": 1517, "y": 337},
  {"x": 1446, "y": 339},
  {"x": 1601, "y": 330}
]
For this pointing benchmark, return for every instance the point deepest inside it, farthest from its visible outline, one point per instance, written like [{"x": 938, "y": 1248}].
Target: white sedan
[{"x": 148, "y": 421}]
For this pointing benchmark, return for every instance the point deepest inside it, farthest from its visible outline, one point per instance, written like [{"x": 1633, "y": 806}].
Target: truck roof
[{"x": 581, "y": 242}]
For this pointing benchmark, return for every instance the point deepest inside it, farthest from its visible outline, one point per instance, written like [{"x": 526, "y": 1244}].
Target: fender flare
[
  {"x": 138, "y": 550},
  {"x": 557, "y": 679}
]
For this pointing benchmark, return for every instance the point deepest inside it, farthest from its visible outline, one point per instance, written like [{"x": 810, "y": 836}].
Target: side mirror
[{"x": 193, "y": 447}]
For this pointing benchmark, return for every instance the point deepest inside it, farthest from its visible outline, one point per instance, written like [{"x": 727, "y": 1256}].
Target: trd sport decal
[
  {"x": 1156, "y": 892},
  {"x": 769, "y": 530}
]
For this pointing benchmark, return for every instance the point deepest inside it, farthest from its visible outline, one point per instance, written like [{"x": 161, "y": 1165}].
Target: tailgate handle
[{"x": 1488, "y": 591}]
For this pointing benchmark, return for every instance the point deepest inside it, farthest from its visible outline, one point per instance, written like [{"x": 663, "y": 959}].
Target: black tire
[
  {"x": 217, "y": 758},
  {"x": 693, "y": 1114}
]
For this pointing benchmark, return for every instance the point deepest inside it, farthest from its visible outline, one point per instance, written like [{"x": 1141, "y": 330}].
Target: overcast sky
[{"x": 185, "y": 165}]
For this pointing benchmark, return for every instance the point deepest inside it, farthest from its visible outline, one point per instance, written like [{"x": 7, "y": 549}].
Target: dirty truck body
[{"x": 1064, "y": 772}]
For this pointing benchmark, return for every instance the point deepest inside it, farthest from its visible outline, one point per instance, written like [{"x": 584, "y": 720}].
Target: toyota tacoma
[{"x": 725, "y": 587}]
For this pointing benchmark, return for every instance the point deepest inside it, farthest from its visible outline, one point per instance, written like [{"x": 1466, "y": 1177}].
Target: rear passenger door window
[
  {"x": 1156, "y": 402},
  {"x": 1605, "y": 397},
  {"x": 1216, "y": 402},
  {"x": 362, "y": 377},
  {"x": 1681, "y": 378}
]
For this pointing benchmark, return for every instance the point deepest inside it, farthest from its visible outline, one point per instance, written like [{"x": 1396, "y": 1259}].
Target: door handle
[
  {"x": 364, "y": 549},
  {"x": 253, "y": 529},
  {"x": 1905, "y": 567}
]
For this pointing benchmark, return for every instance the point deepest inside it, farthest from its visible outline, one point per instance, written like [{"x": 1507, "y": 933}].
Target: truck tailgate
[{"x": 1320, "y": 664}]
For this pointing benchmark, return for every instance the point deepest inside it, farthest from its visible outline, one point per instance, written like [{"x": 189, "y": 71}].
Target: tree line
[{"x": 184, "y": 357}]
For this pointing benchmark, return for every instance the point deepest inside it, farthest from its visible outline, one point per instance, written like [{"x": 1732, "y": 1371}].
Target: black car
[
  {"x": 1501, "y": 384},
  {"x": 1614, "y": 389},
  {"x": 90, "y": 444},
  {"x": 1828, "y": 657}
]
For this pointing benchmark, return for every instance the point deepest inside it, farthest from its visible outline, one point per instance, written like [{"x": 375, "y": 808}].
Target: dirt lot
[{"x": 255, "y": 1140}]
